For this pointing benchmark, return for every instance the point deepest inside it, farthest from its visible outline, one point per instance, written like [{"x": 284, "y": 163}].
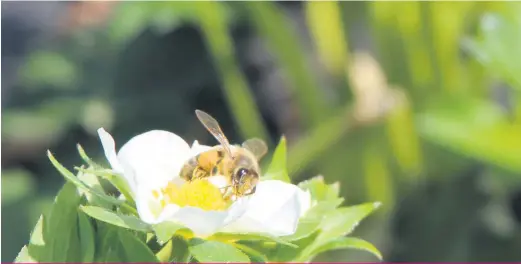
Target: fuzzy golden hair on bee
[{"x": 238, "y": 164}]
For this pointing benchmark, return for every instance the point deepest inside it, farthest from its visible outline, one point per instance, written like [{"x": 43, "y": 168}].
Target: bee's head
[{"x": 245, "y": 175}]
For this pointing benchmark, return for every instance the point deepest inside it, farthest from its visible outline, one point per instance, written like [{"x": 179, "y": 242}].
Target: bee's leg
[
  {"x": 252, "y": 191},
  {"x": 198, "y": 173},
  {"x": 225, "y": 188},
  {"x": 227, "y": 192}
]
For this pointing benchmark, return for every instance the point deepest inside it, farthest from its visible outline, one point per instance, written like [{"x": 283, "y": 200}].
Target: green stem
[
  {"x": 129, "y": 208},
  {"x": 237, "y": 93},
  {"x": 310, "y": 147},
  {"x": 426, "y": 20}
]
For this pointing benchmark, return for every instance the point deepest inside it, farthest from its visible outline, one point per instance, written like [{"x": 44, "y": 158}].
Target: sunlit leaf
[
  {"x": 305, "y": 228},
  {"x": 85, "y": 157},
  {"x": 277, "y": 168},
  {"x": 325, "y": 22},
  {"x": 70, "y": 177},
  {"x": 283, "y": 253},
  {"x": 251, "y": 237},
  {"x": 166, "y": 230},
  {"x": 181, "y": 251},
  {"x": 125, "y": 221},
  {"x": 404, "y": 138},
  {"x": 343, "y": 220},
  {"x": 213, "y": 251},
  {"x": 166, "y": 252},
  {"x": 378, "y": 181},
  {"x": 497, "y": 47},
  {"x": 320, "y": 190},
  {"x": 338, "y": 223},
  {"x": 321, "y": 209},
  {"x": 116, "y": 180},
  {"x": 346, "y": 243},
  {"x": 93, "y": 183},
  {"x": 254, "y": 255},
  {"x": 36, "y": 250},
  {"x": 24, "y": 257},
  {"x": 175, "y": 250}
]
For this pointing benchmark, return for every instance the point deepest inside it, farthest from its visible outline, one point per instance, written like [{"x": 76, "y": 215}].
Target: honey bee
[{"x": 238, "y": 164}]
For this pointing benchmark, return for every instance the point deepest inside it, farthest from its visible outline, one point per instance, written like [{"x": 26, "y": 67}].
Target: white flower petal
[
  {"x": 109, "y": 147},
  {"x": 198, "y": 148},
  {"x": 218, "y": 181},
  {"x": 153, "y": 158},
  {"x": 148, "y": 208},
  {"x": 275, "y": 208},
  {"x": 203, "y": 223}
]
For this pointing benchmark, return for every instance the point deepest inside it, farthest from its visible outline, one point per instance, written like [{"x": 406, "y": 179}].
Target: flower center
[{"x": 197, "y": 193}]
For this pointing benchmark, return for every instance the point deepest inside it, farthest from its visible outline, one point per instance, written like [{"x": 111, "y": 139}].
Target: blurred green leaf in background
[{"x": 414, "y": 104}]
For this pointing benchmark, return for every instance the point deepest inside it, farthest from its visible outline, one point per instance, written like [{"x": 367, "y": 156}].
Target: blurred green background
[{"x": 415, "y": 104}]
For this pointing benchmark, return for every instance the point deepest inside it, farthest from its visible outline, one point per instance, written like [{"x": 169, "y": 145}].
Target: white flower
[{"x": 151, "y": 163}]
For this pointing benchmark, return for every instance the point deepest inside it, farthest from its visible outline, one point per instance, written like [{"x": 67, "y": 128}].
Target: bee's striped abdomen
[{"x": 203, "y": 165}]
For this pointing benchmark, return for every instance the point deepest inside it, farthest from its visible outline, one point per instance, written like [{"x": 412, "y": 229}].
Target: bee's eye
[{"x": 241, "y": 172}]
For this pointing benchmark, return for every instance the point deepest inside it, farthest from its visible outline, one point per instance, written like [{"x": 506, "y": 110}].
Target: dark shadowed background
[{"x": 415, "y": 104}]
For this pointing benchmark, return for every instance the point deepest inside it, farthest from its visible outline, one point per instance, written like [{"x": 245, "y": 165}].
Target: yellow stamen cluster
[{"x": 197, "y": 193}]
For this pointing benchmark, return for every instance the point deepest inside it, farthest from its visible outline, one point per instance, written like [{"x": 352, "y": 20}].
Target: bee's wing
[
  {"x": 213, "y": 127},
  {"x": 257, "y": 146}
]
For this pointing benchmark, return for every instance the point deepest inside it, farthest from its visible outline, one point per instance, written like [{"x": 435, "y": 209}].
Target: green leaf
[
  {"x": 24, "y": 257},
  {"x": 85, "y": 157},
  {"x": 215, "y": 251},
  {"x": 305, "y": 228},
  {"x": 220, "y": 44},
  {"x": 166, "y": 252},
  {"x": 320, "y": 209},
  {"x": 61, "y": 230},
  {"x": 320, "y": 190},
  {"x": 496, "y": 47},
  {"x": 70, "y": 177},
  {"x": 108, "y": 245},
  {"x": 282, "y": 253},
  {"x": 37, "y": 249},
  {"x": 93, "y": 182},
  {"x": 17, "y": 184},
  {"x": 116, "y": 180},
  {"x": 135, "y": 250},
  {"x": 328, "y": 34},
  {"x": 175, "y": 250},
  {"x": 49, "y": 68},
  {"x": 462, "y": 126},
  {"x": 343, "y": 220},
  {"x": 128, "y": 21},
  {"x": 87, "y": 239},
  {"x": 166, "y": 230},
  {"x": 348, "y": 243},
  {"x": 250, "y": 237},
  {"x": 125, "y": 221},
  {"x": 254, "y": 255},
  {"x": 277, "y": 168},
  {"x": 338, "y": 223}
]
